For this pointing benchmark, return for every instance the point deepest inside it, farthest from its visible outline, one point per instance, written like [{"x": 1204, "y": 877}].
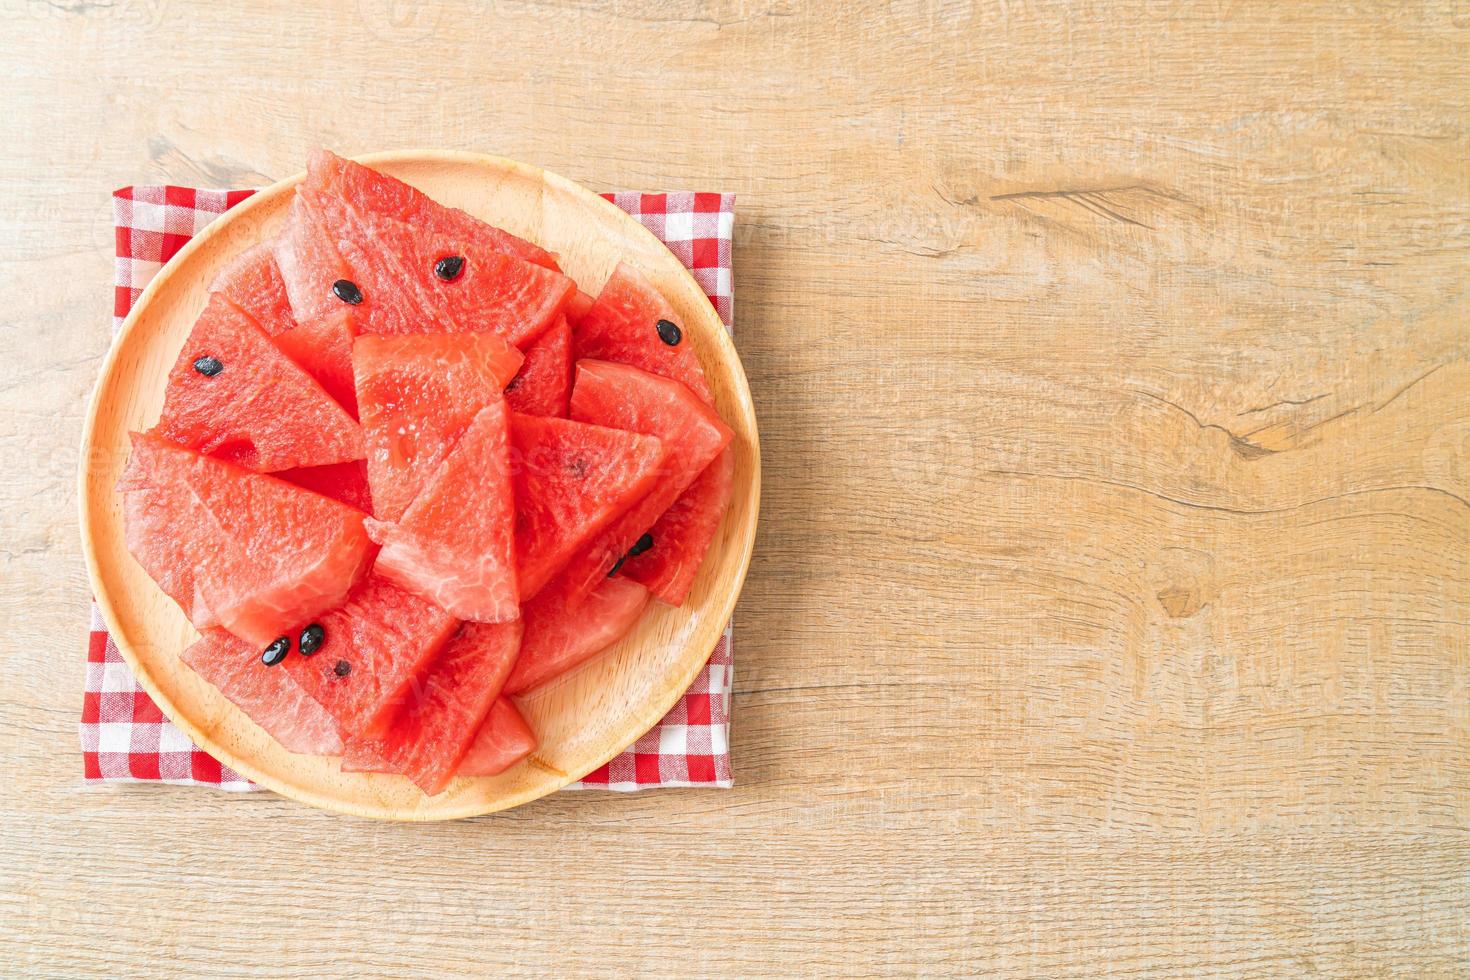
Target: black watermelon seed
[
  {"x": 346, "y": 290},
  {"x": 208, "y": 366},
  {"x": 311, "y": 639},
  {"x": 669, "y": 332},
  {"x": 641, "y": 545},
  {"x": 617, "y": 566},
  {"x": 342, "y": 669},
  {"x": 577, "y": 466},
  {"x": 449, "y": 268},
  {"x": 276, "y": 652}
]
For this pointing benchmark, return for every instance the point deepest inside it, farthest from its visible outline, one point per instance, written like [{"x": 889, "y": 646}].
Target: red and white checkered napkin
[{"x": 126, "y": 738}]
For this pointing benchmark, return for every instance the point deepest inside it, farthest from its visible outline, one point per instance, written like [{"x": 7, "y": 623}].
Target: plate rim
[{"x": 643, "y": 718}]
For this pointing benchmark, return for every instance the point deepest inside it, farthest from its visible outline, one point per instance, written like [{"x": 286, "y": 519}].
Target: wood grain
[
  {"x": 1109, "y": 609},
  {"x": 582, "y": 719}
]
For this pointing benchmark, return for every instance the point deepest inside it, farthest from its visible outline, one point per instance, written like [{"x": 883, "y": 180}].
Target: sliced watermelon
[
  {"x": 571, "y": 480},
  {"x": 416, "y": 396},
  {"x": 545, "y": 382},
  {"x": 558, "y": 637},
  {"x": 233, "y": 395},
  {"x": 269, "y": 696},
  {"x": 236, "y": 548},
  {"x": 404, "y": 277},
  {"x": 376, "y": 645},
  {"x": 684, "y": 533},
  {"x": 455, "y": 545},
  {"x": 379, "y": 194},
  {"x": 429, "y": 735},
  {"x": 253, "y": 282},
  {"x": 346, "y": 482},
  {"x": 624, "y": 397},
  {"x": 503, "y": 740},
  {"x": 323, "y": 348},
  {"x": 623, "y": 326}
]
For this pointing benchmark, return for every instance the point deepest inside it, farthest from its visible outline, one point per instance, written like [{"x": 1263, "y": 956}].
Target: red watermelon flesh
[
  {"x": 545, "y": 382},
  {"x": 256, "y": 408},
  {"x": 684, "y": 533},
  {"x": 313, "y": 259},
  {"x": 346, "y": 482},
  {"x": 396, "y": 265},
  {"x": 622, "y": 326},
  {"x": 503, "y": 740},
  {"x": 429, "y": 735},
  {"x": 578, "y": 306},
  {"x": 559, "y": 636},
  {"x": 571, "y": 480},
  {"x": 253, "y": 282},
  {"x": 323, "y": 348},
  {"x": 416, "y": 396},
  {"x": 268, "y": 695},
  {"x": 234, "y": 548},
  {"x": 455, "y": 545},
  {"x": 376, "y": 645},
  {"x": 377, "y": 193},
  {"x": 624, "y": 397}
]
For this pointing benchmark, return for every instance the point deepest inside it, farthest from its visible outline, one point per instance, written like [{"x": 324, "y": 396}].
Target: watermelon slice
[
  {"x": 428, "y": 736},
  {"x": 559, "y": 636},
  {"x": 407, "y": 278},
  {"x": 235, "y": 548},
  {"x": 346, "y": 482},
  {"x": 503, "y": 740},
  {"x": 270, "y": 697},
  {"x": 416, "y": 396},
  {"x": 455, "y": 545},
  {"x": 233, "y": 395},
  {"x": 376, "y": 645},
  {"x": 253, "y": 283},
  {"x": 379, "y": 194},
  {"x": 624, "y": 397},
  {"x": 323, "y": 348},
  {"x": 684, "y": 533},
  {"x": 624, "y": 326},
  {"x": 545, "y": 382},
  {"x": 571, "y": 480}
]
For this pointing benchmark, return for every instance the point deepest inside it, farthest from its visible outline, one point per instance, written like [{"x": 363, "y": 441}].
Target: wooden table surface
[{"x": 1110, "y": 608}]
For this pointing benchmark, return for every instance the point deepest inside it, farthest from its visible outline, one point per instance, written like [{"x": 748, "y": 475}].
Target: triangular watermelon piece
[
  {"x": 252, "y": 553},
  {"x": 544, "y": 383},
  {"x": 632, "y": 323},
  {"x": 408, "y": 278},
  {"x": 416, "y": 396},
  {"x": 253, "y": 282},
  {"x": 268, "y": 695},
  {"x": 375, "y": 646},
  {"x": 624, "y": 397},
  {"x": 379, "y": 194},
  {"x": 346, "y": 482},
  {"x": 503, "y": 740},
  {"x": 455, "y": 545},
  {"x": 233, "y": 395},
  {"x": 572, "y": 480},
  {"x": 558, "y": 636},
  {"x": 683, "y": 535},
  {"x": 428, "y": 736},
  {"x": 323, "y": 348}
]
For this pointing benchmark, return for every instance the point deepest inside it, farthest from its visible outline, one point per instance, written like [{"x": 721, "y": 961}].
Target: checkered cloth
[{"x": 126, "y": 738}]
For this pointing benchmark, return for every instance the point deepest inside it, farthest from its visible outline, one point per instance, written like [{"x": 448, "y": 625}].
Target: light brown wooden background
[{"x": 1110, "y": 609}]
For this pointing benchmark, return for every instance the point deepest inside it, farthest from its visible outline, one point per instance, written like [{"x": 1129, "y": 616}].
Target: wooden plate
[{"x": 583, "y": 719}]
